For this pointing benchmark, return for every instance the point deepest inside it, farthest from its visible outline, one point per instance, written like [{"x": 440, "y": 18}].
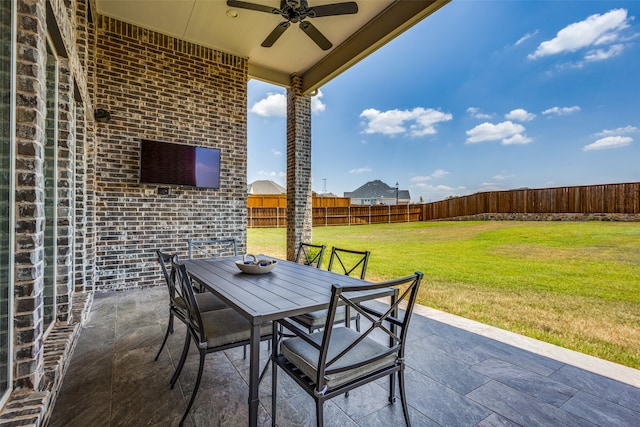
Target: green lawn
[{"x": 574, "y": 284}]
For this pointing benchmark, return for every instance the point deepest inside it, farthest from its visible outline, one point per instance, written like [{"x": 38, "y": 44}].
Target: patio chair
[
  {"x": 339, "y": 359},
  {"x": 210, "y": 248},
  {"x": 342, "y": 261},
  {"x": 310, "y": 255},
  {"x": 177, "y": 308},
  {"x": 211, "y": 331},
  {"x": 349, "y": 262}
]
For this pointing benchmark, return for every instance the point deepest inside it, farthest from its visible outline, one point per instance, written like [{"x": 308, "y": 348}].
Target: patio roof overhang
[{"x": 212, "y": 23}]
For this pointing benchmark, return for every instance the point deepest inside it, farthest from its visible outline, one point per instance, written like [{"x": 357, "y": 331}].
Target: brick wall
[{"x": 160, "y": 88}]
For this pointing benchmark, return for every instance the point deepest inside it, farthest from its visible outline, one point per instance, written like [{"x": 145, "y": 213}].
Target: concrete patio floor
[{"x": 460, "y": 373}]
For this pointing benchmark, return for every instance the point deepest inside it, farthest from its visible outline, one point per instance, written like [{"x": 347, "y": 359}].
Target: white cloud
[
  {"x": 360, "y": 170},
  {"x": 275, "y": 105},
  {"x": 618, "y": 131},
  {"x": 435, "y": 187},
  {"x": 272, "y": 174},
  {"x": 489, "y": 186},
  {"x": 520, "y": 115},
  {"x": 417, "y": 122},
  {"x": 502, "y": 176},
  {"x": 561, "y": 111},
  {"x": 602, "y": 54},
  {"x": 596, "y": 30},
  {"x": 609, "y": 142},
  {"x": 508, "y": 132},
  {"x": 475, "y": 113},
  {"x": 277, "y": 152},
  {"x": 317, "y": 106},
  {"x": 526, "y": 37},
  {"x": 438, "y": 173},
  {"x": 517, "y": 139}
]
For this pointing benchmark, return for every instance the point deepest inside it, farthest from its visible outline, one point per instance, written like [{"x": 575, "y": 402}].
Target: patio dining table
[{"x": 290, "y": 289}]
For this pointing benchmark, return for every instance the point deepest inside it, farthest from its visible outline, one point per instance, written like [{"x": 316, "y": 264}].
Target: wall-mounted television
[{"x": 179, "y": 164}]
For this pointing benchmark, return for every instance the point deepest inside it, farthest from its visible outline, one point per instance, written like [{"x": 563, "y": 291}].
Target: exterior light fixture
[{"x": 102, "y": 116}]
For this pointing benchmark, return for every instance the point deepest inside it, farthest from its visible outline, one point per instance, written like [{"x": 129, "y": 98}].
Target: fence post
[
  {"x": 277, "y": 217},
  {"x": 408, "y": 216},
  {"x": 369, "y": 214},
  {"x": 326, "y": 214},
  {"x": 349, "y": 215},
  {"x": 388, "y": 214}
]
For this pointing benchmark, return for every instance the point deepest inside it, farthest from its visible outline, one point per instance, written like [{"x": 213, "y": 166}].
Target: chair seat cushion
[
  {"x": 317, "y": 319},
  {"x": 227, "y": 326},
  {"x": 305, "y": 357},
  {"x": 206, "y": 302}
]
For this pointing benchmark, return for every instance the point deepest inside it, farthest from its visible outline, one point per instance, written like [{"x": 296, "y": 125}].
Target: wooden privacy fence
[
  {"x": 592, "y": 199},
  {"x": 349, "y": 215}
]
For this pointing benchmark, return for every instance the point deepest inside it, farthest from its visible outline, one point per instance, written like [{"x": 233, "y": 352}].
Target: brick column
[
  {"x": 30, "y": 221},
  {"x": 299, "y": 200},
  {"x": 85, "y": 159},
  {"x": 66, "y": 191}
]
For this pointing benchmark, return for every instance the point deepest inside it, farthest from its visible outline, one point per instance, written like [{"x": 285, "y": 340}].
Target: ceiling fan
[{"x": 297, "y": 11}]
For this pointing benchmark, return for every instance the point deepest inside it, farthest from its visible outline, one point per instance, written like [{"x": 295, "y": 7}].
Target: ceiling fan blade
[
  {"x": 315, "y": 35},
  {"x": 275, "y": 34},
  {"x": 251, "y": 6},
  {"x": 347, "y": 8}
]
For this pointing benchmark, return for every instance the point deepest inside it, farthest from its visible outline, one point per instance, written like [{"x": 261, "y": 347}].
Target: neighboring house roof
[
  {"x": 377, "y": 190},
  {"x": 265, "y": 187}
]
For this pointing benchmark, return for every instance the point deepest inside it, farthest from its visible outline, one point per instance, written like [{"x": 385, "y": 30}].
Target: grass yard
[{"x": 574, "y": 284}]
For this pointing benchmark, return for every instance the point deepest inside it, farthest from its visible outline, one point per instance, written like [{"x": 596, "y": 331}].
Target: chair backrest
[
  {"x": 309, "y": 254},
  {"x": 349, "y": 262},
  {"x": 193, "y": 317},
  {"x": 165, "y": 259},
  {"x": 390, "y": 321},
  {"x": 212, "y": 247}
]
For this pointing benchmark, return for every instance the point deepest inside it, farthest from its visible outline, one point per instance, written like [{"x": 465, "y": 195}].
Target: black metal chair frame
[
  {"x": 174, "y": 310},
  {"x": 197, "y": 246},
  {"x": 196, "y": 332},
  {"x": 362, "y": 263},
  {"x": 392, "y": 322},
  {"x": 335, "y": 254},
  {"x": 310, "y": 255}
]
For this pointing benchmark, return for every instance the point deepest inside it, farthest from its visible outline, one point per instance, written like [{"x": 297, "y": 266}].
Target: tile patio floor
[{"x": 460, "y": 373}]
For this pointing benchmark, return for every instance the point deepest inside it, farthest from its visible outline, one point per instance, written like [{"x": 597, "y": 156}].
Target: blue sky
[{"x": 481, "y": 96}]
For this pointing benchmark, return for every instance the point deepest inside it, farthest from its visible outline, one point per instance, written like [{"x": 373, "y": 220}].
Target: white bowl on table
[{"x": 252, "y": 265}]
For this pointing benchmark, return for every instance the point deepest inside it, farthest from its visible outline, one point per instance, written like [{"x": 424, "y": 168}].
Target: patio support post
[{"x": 299, "y": 200}]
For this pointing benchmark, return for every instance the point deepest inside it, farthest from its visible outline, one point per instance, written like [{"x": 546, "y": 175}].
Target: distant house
[
  {"x": 265, "y": 187},
  {"x": 378, "y": 193}
]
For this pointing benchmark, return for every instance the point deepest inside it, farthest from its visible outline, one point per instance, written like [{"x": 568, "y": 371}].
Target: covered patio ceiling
[{"x": 241, "y": 31}]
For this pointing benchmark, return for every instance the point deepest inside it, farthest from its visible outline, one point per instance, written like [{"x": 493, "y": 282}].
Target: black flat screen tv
[{"x": 179, "y": 164}]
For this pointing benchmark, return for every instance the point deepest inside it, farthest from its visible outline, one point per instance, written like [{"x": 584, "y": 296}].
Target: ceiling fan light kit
[{"x": 297, "y": 12}]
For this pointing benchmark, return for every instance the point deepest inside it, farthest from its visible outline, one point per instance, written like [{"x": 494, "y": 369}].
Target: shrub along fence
[{"x": 607, "y": 201}]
